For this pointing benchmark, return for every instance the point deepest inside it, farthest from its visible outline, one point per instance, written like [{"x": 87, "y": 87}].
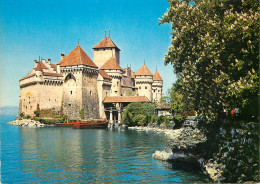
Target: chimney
[
  {"x": 62, "y": 55},
  {"x": 49, "y": 60}
]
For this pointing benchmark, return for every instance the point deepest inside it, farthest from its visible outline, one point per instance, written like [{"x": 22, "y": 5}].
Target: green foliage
[
  {"x": 37, "y": 112},
  {"x": 22, "y": 114},
  {"x": 27, "y": 117},
  {"x": 138, "y": 114},
  {"x": 81, "y": 113},
  {"x": 178, "y": 120},
  {"x": 214, "y": 52}
]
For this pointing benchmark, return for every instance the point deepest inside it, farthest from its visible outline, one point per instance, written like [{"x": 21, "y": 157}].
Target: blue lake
[{"x": 67, "y": 155}]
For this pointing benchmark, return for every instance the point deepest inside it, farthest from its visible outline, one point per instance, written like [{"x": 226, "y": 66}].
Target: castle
[{"x": 81, "y": 88}]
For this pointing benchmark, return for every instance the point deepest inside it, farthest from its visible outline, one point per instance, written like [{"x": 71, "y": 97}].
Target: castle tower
[
  {"x": 80, "y": 85},
  {"x": 143, "y": 81},
  {"x": 39, "y": 72},
  {"x": 112, "y": 68},
  {"x": 104, "y": 50},
  {"x": 157, "y": 87}
]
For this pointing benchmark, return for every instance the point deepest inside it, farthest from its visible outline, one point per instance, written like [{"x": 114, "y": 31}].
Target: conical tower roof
[
  {"x": 157, "y": 77},
  {"x": 106, "y": 43},
  {"x": 111, "y": 64},
  {"x": 38, "y": 68},
  {"x": 144, "y": 70},
  {"x": 77, "y": 57}
]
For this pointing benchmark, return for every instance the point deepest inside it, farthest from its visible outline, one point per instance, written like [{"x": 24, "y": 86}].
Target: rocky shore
[
  {"x": 28, "y": 122},
  {"x": 184, "y": 145}
]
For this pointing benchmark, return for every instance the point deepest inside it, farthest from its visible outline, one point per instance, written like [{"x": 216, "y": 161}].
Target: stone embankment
[
  {"x": 184, "y": 146},
  {"x": 28, "y": 122}
]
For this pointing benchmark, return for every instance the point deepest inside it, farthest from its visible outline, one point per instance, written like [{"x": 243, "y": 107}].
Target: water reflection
[{"x": 60, "y": 155}]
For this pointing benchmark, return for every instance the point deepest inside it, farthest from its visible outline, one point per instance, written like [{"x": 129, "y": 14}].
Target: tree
[
  {"x": 37, "y": 112},
  {"x": 138, "y": 114},
  {"x": 214, "y": 52}
]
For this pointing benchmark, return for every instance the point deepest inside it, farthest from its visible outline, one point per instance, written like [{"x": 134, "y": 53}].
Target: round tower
[
  {"x": 157, "y": 87},
  {"x": 112, "y": 68},
  {"x": 39, "y": 72},
  {"x": 143, "y": 81}
]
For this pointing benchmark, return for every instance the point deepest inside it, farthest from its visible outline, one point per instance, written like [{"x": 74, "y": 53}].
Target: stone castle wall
[
  {"x": 104, "y": 54},
  {"x": 72, "y": 95},
  {"x": 90, "y": 96},
  {"x": 47, "y": 96}
]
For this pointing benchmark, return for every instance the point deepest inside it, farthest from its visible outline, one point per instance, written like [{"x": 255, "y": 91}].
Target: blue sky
[{"x": 46, "y": 28}]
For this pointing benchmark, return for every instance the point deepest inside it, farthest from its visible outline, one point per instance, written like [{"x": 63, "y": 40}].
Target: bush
[
  {"x": 27, "y": 117},
  {"x": 81, "y": 113},
  {"x": 133, "y": 112},
  {"x": 179, "y": 120},
  {"x": 22, "y": 114}
]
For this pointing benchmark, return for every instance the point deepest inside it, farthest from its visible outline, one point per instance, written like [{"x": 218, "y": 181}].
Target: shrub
[
  {"x": 22, "y": 114},
  {"x": 27, "y": 117}
]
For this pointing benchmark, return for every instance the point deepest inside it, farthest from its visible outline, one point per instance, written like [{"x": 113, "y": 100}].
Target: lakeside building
[{"x": 98, "y": 88}]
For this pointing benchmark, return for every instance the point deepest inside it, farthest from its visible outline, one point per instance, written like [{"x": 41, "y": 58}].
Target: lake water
[{"x": 67, "y": 155}]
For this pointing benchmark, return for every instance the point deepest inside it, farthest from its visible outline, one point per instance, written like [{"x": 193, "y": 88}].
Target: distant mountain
[{"x": 9, "y": 110}]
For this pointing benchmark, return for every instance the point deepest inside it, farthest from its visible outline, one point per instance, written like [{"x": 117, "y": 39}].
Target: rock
[
  {"x": 162, "y": 155},
  {"x": 27, "y": 122}
]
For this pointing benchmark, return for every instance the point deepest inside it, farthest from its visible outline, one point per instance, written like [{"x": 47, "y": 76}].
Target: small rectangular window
[
  {"x": 71, "y": 92},
  {"x": 145, "y": 87}
]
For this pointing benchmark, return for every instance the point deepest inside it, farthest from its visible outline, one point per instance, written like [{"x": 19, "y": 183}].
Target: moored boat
[{"x": 85, "y": 124}]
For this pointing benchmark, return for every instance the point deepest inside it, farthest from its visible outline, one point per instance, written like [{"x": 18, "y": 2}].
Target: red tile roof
[
  {"x": 106, "y": 43},
  {"x": 52, "y": 74},
  {"x": 132, "y": 74},
  {"x": 104, "y": 74},
  {"x": 54, "y": 66},
  {"x": 38, "y": 68},
  {"x": 126, "y": 86},
  {"x": 157, "y": 77},
  {"x": 144, "y": 70},
  {"x": 111, "y": 64},
  {"x": 77, "y": 57},
  {"x": 28, "y": 75},
  {"x": 126, "y": 99}
]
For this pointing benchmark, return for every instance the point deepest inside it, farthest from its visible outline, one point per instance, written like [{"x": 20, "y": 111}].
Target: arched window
[{"x": 70, "y": 76}]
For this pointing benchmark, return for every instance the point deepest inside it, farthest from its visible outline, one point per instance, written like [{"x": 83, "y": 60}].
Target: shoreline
[
  {"x": 28, "y": 123},
  {"x": 180, "y": 147}
]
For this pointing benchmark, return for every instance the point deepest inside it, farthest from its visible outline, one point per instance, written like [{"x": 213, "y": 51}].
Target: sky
[{"x": 46, "y": 28}]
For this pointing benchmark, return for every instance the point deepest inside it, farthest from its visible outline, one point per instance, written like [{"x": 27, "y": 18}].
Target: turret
[
  {"x": 104, "y": 50},
  {"x": 143, "y": 81},
  {"x": 112, "y": 68},
  {"x": 157, "y": 87},
  {"x": 39, "y": 72}
]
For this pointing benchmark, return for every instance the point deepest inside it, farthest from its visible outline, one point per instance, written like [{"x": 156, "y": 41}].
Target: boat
[{"x": 84, "y": 124}]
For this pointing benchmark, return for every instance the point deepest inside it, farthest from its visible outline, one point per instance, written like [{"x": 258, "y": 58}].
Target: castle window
[
  {"x": 145, "y": 87},
  {"x": 106, "y": 93},
  {"x": 40, "y": 75},
  {"x": 69, "y": 105},
  {"x": 90, "y": 92},
  {"x": 29, "y": 102},
  {"x": 115, "y": 91},
  {"x": 154, "y": 91},
  {"x": 139, "y": 87},
  {"x": 26, "y": 107},
  {"x": 71, "y": 92},
  {"x": 49, "y": 99},
  {"x": 117, "y": 83}
]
